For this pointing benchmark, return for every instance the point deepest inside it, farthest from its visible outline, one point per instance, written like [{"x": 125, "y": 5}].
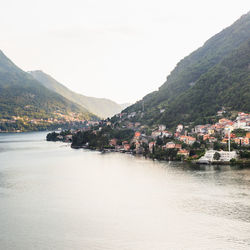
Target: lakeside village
[
  {"x": 223, "y": 142},
  {"x": 19, "y": 124}
]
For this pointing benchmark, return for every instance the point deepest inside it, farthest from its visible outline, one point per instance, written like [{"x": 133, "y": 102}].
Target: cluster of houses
[
  {"x": 182, "y": 140},
  {"x": 140, "y": 141},
  {"x": 58, "y": 119},
  {"x": 208, "y": 133},
  {"x": 225, "y": 127}
]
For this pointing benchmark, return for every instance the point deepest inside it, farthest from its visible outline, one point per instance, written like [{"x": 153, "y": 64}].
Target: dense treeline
[
  {"x": 101, "y": 138},
  {"x": 55, "y": 136}
]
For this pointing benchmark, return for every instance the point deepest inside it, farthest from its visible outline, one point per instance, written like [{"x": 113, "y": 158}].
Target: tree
[
  {"x": 196, "y": 145},
  {"x": 216, "y": 156},
  {"x": 216, "y": 145},
  {"x": 245, "y": 154},
  {"x": 239, "y": 132},
  {"x": 159, "y": 141}
]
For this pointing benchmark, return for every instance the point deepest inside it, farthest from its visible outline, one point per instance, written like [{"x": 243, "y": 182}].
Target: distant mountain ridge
[
  {"x": 102, "y": 107},
  {"x": 23, "y": 96},
  {"x": 203, "y": 81}
]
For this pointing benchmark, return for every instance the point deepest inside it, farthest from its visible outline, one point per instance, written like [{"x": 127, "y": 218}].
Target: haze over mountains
[
  {"x": 35, "y": 101},
  {"x": 102, "y": 107},
  {"x": 215, "y": 75},
  {"x": 22, "y": 95}
]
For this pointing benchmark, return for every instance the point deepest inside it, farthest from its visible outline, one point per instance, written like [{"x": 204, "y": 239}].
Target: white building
[
  {"x": 166, "y": 133},
  {"x": 242, "y": 124},
  {"x": 131, "y": 115},
  {"x": 179, "y": 128},
  {"x": 156, "y": 133},
  {"x": 162, "y": 127},
  {"x": 224, "y": 156}
]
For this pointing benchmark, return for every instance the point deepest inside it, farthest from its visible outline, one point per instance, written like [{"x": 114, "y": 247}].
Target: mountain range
[
  {"x": 101, "y": 107},
  {"x": 22, "y": 95},
  {"x": 34, "y": 100},
  {"x": 215, "y": 75}
]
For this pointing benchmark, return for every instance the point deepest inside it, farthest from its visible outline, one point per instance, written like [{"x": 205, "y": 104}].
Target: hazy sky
[{"x": 116, "y": 49}]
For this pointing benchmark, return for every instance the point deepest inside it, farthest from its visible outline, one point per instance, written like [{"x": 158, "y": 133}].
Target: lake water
[{"x": 55, "y": 197}]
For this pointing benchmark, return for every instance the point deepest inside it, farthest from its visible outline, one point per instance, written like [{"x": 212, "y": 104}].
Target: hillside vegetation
[
  {"x": 23, "y": 96},
  {"x": 215, "y": 75}
]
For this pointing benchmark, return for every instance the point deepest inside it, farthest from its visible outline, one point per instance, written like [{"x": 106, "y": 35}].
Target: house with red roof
[
  {"x": 187, "y": 139},
  {"x": 183, "y": 152}
]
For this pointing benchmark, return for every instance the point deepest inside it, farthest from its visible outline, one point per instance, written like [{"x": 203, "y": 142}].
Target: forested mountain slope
[
  {"x": 213, "y": 75},
  {"x": 225, "y": 85},
  {"x": 22, "y": 95}
]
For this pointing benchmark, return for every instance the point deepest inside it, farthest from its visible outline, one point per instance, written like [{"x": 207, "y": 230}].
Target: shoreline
[
  {"x": 239, "y": 163},
  {"x": 143, "y": 151}
]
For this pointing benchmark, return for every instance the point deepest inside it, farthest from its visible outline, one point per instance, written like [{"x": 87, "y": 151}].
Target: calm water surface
[{"x": 54, "y": 197}]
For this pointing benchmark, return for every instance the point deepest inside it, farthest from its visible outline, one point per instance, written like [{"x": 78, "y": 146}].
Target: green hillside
[
  {"x": 100, "y": 106},
  {"x": 225, "y": 85},
  {"x": 23, "y": 96},
  {"x": 214, "y": 75}
]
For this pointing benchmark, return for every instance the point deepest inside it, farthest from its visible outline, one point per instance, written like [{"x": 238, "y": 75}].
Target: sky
[{"x": 120, "y": 50}]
